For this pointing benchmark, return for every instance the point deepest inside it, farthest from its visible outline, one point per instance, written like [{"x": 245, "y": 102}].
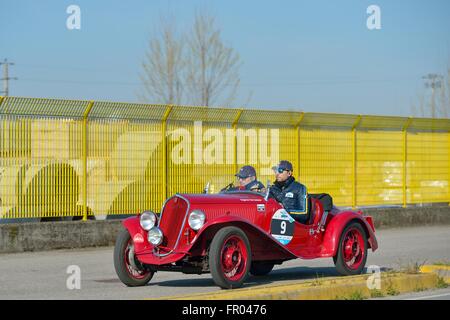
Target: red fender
[
  {"x": 335, "y": 227},
  {"x": 138, "y": 235}
]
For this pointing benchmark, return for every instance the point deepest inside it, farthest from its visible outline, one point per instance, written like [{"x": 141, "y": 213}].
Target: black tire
[
  {"x": 223, "y": 237},
  {"x": 261, "y": 268},
  {"x": 339, "y": 259},
  {"x": 121, "y": 258}
]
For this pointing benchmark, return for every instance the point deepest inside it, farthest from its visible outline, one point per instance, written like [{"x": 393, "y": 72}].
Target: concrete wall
[
  {"x": 411, "y": 216},
  {"x": 19, "y": 237},
  {"x": 41, "y": 236}
]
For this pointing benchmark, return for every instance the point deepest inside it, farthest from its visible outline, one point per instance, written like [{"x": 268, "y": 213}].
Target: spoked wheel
[
  {"x": 230, "y": 258},
  {"x": 128, "y": 268},
  {"x": 351, "y": 256}
]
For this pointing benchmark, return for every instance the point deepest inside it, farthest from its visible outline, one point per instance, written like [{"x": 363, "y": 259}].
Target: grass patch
[
  {"x": 391, "y": 290},
  {"x": 441, "y": 284},
  {"x": 355, "y": 295},
  {"x": 375, "y": 293},
  {"x": 317, "y": 281}
]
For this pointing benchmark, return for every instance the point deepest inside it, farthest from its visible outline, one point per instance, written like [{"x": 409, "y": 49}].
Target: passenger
[
  {"x": 247, "y": 181},
  {"x": 289, "y": 192}
]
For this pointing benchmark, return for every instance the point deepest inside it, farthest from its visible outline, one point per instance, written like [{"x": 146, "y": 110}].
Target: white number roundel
[{"x": 282, "y": 226}]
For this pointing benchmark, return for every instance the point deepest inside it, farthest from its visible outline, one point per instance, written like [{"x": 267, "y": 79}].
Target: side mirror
[
  {"x": 266, "y": 197},
  {"x": 206, "y": 189}
]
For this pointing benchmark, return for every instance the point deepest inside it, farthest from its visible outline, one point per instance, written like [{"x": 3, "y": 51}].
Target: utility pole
[
  {"x": 433, "y": 81},
  {"x": 6, "y": 77}
]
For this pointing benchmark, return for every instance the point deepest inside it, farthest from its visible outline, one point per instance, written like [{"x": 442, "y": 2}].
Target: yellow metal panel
[
  {"x": 38, "y": 179},
  {"x": 354, "y": 159},
  {"x": 234, "y": 142},
  {"x": 84, "y": 175},
  {"x": 205, "y": 114},
  {"x": 326, "y": 163},
  {"x": 127, "y": 111},
  {"x": 382, "y": 122},
  {"x": 429, "y": 124},
  {"x": 199, "y": 153},
  {"x": 269, "y": 117},
  {"x": 428, "y": 167},
  {"x": 124, "y": 171},
  {"x": 164, "y": 149},
  {"x": 329, "y": 120},
  {"x": 405, "y": 159},
  {"x": 379, "y": 167},
  {"x": 43, "y": 107}
]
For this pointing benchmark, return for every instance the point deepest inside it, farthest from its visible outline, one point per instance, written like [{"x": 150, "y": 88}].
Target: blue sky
[{"x": 314, "y": 56}]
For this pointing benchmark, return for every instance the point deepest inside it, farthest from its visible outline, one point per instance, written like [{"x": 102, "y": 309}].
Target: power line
[
  {"x": 256, "y": 84},
  {"x": 6, "y": 76},
  {"x": 72, "y": 68}
]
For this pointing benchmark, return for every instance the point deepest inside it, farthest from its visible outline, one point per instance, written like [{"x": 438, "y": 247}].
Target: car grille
[{"x": 171, "y": 221}]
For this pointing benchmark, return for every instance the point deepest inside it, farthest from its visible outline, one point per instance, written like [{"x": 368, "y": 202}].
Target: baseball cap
[
  {"x": 246, "y": 171},
  {"x": 283, "y": 164}
]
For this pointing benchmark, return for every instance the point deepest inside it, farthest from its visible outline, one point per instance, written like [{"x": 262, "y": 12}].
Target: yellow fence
[{"x": 79, "y": 158}]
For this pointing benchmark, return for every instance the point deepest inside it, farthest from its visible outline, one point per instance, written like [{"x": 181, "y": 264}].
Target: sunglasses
[{"x": 281, "y": 170}]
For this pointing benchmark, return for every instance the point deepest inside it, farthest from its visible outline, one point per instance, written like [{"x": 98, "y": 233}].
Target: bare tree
[
  {"x": 212, "y": 68},
  {"x": 163, "y": 66}
]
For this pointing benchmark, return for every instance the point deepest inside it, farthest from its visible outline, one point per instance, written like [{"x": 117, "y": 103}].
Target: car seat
[{"x": 322, "y": 204}]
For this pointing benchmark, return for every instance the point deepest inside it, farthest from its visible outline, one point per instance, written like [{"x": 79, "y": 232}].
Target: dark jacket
[
  {"x": 254, "y": 184},
  {"x": 292, "y": 195}
]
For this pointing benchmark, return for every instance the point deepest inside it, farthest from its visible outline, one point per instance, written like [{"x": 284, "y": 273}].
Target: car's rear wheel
[
  {"x": 261, "y": 268},
  {"x": 128, "y": 268},
  {"x": 351, "y": 256},
  {"x": 230, "y": 257}
]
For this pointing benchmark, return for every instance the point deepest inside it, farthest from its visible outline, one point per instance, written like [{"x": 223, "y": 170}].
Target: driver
[
  {"x": 247, "y": 180},
  {"x": 290, "y": 193}
]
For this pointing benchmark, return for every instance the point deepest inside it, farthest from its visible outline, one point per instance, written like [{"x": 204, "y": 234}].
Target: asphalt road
[{"x": 44, "y": 275}]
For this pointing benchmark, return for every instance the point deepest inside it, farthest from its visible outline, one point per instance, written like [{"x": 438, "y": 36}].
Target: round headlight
[
  {"x": 155, "y": 236},
  {"x": 196, "y": 219},
  {"x": 148, "y": 220}
]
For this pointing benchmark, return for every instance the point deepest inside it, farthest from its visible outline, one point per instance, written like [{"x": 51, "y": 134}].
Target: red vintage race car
[{"x": 233, "y": 234}]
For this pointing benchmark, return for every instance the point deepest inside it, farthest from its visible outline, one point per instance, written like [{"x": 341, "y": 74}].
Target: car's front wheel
[
  {"x": 351, "y": 256},
  {"x": 128, "y": 268},
  {"x": 230, "y": 257}
]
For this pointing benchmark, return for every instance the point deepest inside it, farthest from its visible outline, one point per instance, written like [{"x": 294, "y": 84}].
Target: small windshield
[
  {"x": 254, "y": 187},
  {"x": 244, "y": 192}
]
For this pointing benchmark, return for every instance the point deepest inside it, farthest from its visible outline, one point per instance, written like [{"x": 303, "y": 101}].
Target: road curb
[
  {"x": 354, "y": 287},
  {"x": 440, "y": 270}
]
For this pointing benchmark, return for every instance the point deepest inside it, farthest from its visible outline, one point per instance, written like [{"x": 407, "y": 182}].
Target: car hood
[{"x": 225, "y": 198}]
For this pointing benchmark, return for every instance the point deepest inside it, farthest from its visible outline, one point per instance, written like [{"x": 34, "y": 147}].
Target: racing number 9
[{"x": 283, "y": 227}]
